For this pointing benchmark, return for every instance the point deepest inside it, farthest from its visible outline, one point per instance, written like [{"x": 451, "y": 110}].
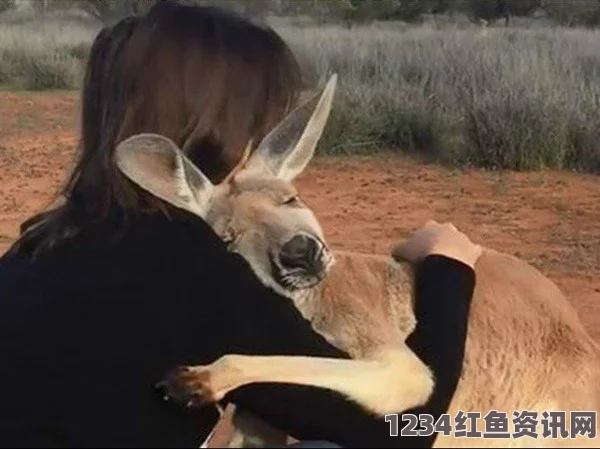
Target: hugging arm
[
  {"x": 268, "y": 325},
  {"x": 444, "y": 289}
]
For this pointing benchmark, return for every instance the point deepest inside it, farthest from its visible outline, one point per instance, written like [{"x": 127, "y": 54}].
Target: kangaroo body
[{"x": 526, "y": 349}]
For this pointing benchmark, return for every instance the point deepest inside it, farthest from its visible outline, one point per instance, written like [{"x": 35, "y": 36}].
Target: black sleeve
[
  {"x": 444, "y": 289},
  {"x": 271, "y": 325}
]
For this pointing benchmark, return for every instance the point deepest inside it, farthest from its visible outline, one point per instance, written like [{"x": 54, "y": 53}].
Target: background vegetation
[{"x": 495, "y": 84}]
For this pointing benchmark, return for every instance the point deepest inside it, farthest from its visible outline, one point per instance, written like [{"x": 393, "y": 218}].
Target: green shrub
[{"x": 6, "y": 5}]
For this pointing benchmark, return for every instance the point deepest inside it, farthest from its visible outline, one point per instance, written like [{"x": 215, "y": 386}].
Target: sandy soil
[{"x": 551, "y": 219}]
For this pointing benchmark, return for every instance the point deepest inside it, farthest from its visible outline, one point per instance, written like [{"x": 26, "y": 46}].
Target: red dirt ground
[{"x": 551, "y": 219}]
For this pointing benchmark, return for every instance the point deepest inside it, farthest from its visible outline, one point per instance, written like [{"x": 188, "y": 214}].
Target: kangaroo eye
[{"x": 291, "y": 200}]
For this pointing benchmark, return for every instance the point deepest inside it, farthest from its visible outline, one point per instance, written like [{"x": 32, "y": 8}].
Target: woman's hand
[{"x": 441, "y": 239}]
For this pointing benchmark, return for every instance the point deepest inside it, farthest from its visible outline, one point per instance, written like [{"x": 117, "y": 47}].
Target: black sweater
[{"x": 89, "y": 328}]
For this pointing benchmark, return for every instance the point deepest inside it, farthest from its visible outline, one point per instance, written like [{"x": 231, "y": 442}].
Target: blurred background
[{"x": 488, "y": 83}]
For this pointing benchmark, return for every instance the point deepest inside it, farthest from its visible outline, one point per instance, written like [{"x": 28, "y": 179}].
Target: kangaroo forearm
[{"x": 366, "y": 382}]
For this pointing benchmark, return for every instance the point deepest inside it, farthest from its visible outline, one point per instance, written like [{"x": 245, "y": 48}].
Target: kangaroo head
[{"x": 256, "y": 210}]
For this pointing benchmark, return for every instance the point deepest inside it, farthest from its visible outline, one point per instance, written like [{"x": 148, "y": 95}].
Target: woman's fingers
[{"x": 435, "y": 238}]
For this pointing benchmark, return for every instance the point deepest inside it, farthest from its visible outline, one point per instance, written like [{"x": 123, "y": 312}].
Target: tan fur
[
  {"x": 365, "y": 381},
  {"x": 526, "y": 348}
]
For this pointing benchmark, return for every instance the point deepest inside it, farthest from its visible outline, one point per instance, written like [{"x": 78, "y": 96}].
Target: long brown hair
[{"x": 208, "y": 79}]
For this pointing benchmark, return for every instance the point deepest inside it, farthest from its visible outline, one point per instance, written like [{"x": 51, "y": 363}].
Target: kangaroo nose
[{"x": 304, "y": 252}]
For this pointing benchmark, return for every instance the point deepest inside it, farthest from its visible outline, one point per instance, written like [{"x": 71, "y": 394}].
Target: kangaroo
[{"x": 526, "y": 347}]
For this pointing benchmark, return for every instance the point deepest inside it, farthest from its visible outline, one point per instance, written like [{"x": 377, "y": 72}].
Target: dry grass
[
  {"x": 38, "y": 57},
  {"x": 500, "y": 98},
  {"x": 503, "y": 98}
]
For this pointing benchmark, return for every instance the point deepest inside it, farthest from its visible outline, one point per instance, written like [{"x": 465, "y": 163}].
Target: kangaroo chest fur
[{"x": 526, "y": 347}]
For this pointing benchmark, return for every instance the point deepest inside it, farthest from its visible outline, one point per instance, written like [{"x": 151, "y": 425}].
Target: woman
[{"x": 107, "y": 293}]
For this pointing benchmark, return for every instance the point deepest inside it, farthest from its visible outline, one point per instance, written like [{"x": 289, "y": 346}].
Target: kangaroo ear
[
  {"x": 286, "y": 150},
  {"x": 157, "y": 165}
]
